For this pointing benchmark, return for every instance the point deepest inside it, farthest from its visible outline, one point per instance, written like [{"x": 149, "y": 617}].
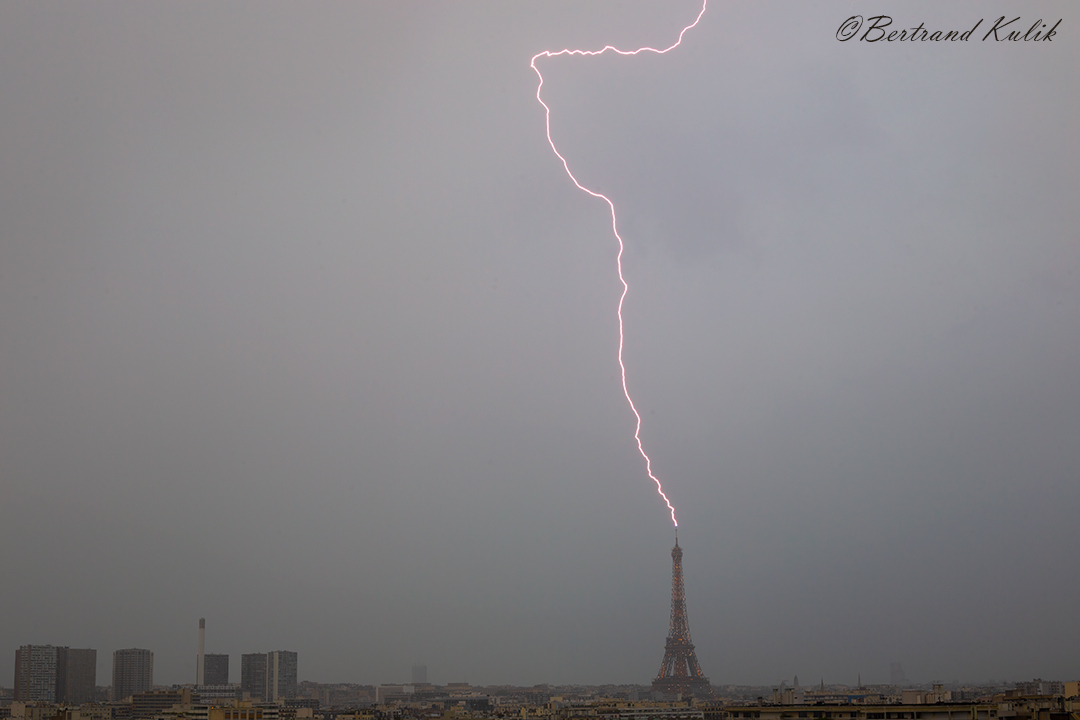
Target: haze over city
[{"x": 306, "y": 331}]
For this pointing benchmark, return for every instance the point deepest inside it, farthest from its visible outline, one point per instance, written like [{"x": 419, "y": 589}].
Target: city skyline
[
  {"x": 49, "y": 673},
  {"x": 1029, "y": 700},
  {"x": 306, "y": 331},
  {"x": 78, "y": 688}
]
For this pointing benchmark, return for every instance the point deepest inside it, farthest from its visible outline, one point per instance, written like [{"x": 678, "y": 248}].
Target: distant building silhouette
[
  {"x": 80, "y": 676},
  {"x": 268, "y": 676},
  {"x": 390, "y": 693},
  {"x": 280, "y": 675},
  {"x": 55, "y": 674},
  {"x": 133, "y": 672},
  {"x": 896, "y": 674},
  {"x": 1038, "y": 686},
  {"x": 419, "y": 674},
  {"x": 37, "y": 673},
  {"x": 253, "y": 676},
  {"x": 215, "y": 669}
]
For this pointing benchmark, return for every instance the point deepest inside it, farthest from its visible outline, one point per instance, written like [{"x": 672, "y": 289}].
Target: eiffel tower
[{"x": 680, "y": 672}]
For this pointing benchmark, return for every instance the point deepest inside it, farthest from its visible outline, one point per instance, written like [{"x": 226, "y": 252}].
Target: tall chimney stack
[{"x": 201, "y": 662}]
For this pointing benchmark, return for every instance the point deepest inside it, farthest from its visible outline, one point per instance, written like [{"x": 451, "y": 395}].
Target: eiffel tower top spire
[{"x": 679, "y": 672}]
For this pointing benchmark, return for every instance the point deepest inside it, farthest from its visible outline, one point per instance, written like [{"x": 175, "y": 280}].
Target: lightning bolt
[{"x": 614, "y": 222}]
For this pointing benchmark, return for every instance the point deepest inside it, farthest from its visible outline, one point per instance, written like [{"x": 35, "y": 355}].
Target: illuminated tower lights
[{"x": 680, "y": 671}]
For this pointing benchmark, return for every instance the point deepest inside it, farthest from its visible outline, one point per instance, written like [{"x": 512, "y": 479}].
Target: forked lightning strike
[{"x": 614, "y": 223}]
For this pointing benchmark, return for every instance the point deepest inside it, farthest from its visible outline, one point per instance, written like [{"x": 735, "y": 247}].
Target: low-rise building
[
  {"x": 902, "y": 711},
  {"x": 154, "y": 702}
]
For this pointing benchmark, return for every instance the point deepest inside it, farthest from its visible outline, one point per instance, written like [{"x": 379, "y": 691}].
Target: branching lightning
[{"x": 614, "y": 223}]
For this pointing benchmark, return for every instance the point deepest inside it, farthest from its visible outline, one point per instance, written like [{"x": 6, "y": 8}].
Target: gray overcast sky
[{"x": 306, "y": 331}]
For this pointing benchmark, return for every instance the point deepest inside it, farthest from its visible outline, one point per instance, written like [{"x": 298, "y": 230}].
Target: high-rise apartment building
[
  {"x": 80, "y": 675},
  {"x": 253, "y": 676},
  {"x": 215, "y": 669},
  {"x": 49, "y": 673},
  {"x": 419, "y": 674},
  {"x": 268, "y": 676},
  {"x": 133, "y": 672},
  {"x": 280, "y": 675},
  {"x": 37, "y": 673}
]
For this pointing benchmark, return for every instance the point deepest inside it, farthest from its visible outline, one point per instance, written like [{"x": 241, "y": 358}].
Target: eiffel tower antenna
[{"x": 679, "y": 672}]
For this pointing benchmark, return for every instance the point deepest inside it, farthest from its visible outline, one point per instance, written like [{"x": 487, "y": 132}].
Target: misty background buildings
[
  {"x": 270, "y": 676},
  {"x": 58, "y": 683},
  {"x": 216, "y": 670},
  {"x": 48, "y": 674},
  {"x": 44, "y": 673},
  {"x": 55, "y": 674},
  {"x": 133, "y": 672}
]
